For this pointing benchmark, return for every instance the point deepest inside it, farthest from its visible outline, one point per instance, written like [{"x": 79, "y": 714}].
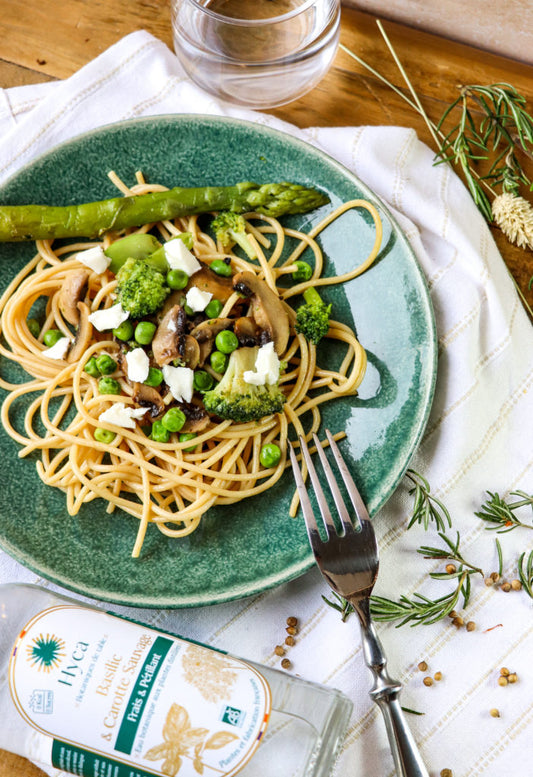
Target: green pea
[
  {"x": 91, "y": 368},
  {"x": 218, "y": 361},
  {"x": 52, "y": 336},
  {"x": 221, "y": 268},
  {"x": 213, "y": 308},
  {"x": 303, "y": 273},
  {"x": 226, "y": 341},
  {"x": 104, "y": 435},
  {"x": 177, "y": 279},
  {"x": 202, "y": 380},
  {"x": 270, "y": 455},
  {"x": 106, "y": 364},
  {"x": 155, "y": 377},
  {"x": 159, "y": 433},
  {"x": 33, "y": 326},
  {"x": 185, "y": 437},
  {"x": 174, "y": 419},
  {"x": 109, "y": 386},
  {"x": 124, "y": 331},
  {"x": 144, "y": 332}
]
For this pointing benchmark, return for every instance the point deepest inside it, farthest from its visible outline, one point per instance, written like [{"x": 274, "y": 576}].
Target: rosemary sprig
[
  {"x": 525, "y": 573},
  {"x": 500, "y": 515},
  {"x": 426, "y": 507},
  {"x": 340, "y": 604},
  {"x": 451, "y": 553},
  {"x": 420, "y": 609}
]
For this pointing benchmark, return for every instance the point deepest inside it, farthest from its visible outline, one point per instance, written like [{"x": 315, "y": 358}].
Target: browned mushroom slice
[
  {"x": 206, "y": 280},
  {"x": 148, "y": 397},
  {"x": 267, "y": 308},
  {"x": 190, "y": 353},
  {"x": 83, "y": 335},
  {"x": 170, "y": 336},
  {"x": 247, "y": 330},
  {"x": 72, "y": 291},
  {"x": 197, "y": 418},
  {"x": 206, "y": 332}
]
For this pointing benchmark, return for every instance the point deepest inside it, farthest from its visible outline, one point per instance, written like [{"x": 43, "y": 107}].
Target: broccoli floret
[
  {"x": 236, "y": 400},
  {"x": 312, "y": 317},
  {"x": 141, "y": 289},
  {"x": 230, "y": 228}
]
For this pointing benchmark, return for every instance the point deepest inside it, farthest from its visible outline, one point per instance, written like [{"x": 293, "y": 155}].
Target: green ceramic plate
[{"x": 251, "y": 546}]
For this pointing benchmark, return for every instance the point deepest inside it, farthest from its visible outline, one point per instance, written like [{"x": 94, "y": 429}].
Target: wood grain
[{"x": 49, "y": 39}]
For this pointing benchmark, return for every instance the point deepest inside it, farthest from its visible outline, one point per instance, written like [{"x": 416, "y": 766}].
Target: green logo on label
[
  {"x": 232, "y": 716},
  {"x": 45, "y": 652}
]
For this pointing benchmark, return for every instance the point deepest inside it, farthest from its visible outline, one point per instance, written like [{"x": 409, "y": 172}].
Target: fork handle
[{"x": 385, "y": 692}]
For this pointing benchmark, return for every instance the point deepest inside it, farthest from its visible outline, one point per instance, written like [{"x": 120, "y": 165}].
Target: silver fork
[{"x": 349, "y": 561}]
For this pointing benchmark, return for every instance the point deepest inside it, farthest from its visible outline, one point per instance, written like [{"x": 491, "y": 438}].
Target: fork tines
[{"x": 351, "y": 488}]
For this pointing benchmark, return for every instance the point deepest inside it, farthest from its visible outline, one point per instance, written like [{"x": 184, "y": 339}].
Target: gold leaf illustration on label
[
  {"x": 179, "y": 737},
  {"x": 210, "y": 673}
]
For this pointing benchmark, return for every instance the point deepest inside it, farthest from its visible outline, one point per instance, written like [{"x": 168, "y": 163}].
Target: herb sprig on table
[{"x": 427, "y": 511}]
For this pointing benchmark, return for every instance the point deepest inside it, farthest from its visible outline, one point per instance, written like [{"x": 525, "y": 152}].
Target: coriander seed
[
  {"x": 502, "y": 681},
  {"x": 285, "y": 663},
  {"x": 495, "y": 577},
  {"x": 470, "y": 626},
  {"x": 279, "y": 650},
  {"x": 494, "y": 713},
  {"x": 423, "y": 666},
  {"x": 506, "y": 587},
  {"x": 512, "y": 677},
  {"x": 504, "y": 671},
  {"x": 489, "y": 581},
  {"x": 451, "y": 568},
  {"x": 516, "y": 585},
  {"x": 292, "y": 630},
  {"x": 437, "y": 676},
  {"x": 292, "y": 621},
  {"x": 446, "y": 773},
  {"x": 458, "y": 621},
  {"x": 428, "y": 681},
  {"x": 290, "y": 641}
]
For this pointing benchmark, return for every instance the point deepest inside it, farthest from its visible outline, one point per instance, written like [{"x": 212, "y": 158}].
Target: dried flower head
[{"x": 514, "y": 216}]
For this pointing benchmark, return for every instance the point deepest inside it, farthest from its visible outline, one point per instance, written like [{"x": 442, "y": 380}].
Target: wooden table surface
[{"x": 43, "y": 40}]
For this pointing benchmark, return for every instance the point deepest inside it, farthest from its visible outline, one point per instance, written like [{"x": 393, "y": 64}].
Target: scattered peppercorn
[
  {"x": 286, "y": 664},
  {"x": 428, "y": 681},
  {"x": 494, "y": 713},
  {"x": 423, "y": 666}
]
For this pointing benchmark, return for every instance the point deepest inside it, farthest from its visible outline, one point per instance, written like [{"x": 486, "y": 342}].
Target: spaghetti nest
[{"x": 170, "y": 484}]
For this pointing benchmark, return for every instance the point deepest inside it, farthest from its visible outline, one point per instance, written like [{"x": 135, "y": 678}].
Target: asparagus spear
[{"x": 36, "y": 222}]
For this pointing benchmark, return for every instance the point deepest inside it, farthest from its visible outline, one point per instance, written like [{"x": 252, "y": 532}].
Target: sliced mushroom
[
  {"x": 197, "y": 417},
  {"x": 150, "y": 398},
  {"x": 206, "y": 280},
  {"x": 267, "y": 308},
  {"x": 72, "y": 291},
  {"x": 206, "y": 332},
  {"x": 169, "y": 339},
  {"x": 83, "y": 335},
  {"x": 247, "y": 331},
  {"x": 190, "y": 353}
]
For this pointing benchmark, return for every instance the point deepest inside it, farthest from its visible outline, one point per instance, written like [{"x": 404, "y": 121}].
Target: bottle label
[{"x": 120, "y": 699}]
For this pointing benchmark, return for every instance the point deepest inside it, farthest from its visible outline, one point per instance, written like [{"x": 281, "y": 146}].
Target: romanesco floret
[
  {"x": 238, "y": 401},
  {"x": 312, "y": 317},
  {"x": 230, "y": 228},
  {"x": 141, "y": 289}
]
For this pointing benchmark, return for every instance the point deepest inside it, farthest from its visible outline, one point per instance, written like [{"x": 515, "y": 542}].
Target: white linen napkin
[{"x": 478, "y": 438}]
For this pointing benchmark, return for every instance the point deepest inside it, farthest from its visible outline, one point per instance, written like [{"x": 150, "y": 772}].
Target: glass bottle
[{"x": 96, "y": 694}]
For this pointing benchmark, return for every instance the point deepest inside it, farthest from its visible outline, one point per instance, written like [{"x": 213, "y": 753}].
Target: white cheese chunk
[
  {"x": 180, "y": 382},
  {"x": 58, "y": 350},
  {"x": 179, "y": 257},
  {"x": 267, "y": 367},
  {"x": 94, "y": 259},
  {"x": 121, "y": 415},
  {"x": 108, "y": 318},
  {"x": 197, "y": 300},
  {"x": 138, "y": 365}
]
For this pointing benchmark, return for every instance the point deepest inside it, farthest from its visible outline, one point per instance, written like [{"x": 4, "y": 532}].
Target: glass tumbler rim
[{"x": 257, "y": 22}]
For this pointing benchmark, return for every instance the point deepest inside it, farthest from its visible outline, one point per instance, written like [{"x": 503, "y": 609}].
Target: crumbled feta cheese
[
  {"x": 58, "y": 350},
  {"x": 180, "y": 382},
  {"x": 121, "y": 415},
  {"x": 108, "y": 318},
  {"x": 267, "y": 367},
  {"x": 179, "y": 257},
  {"x": 197, "y": 300},
  {"x": 94, "y": 259},
  {"x": 138, "y": 365}
]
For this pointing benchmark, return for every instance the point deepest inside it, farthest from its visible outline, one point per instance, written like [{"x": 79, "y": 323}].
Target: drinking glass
[{"x": 256, "y": 53}]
